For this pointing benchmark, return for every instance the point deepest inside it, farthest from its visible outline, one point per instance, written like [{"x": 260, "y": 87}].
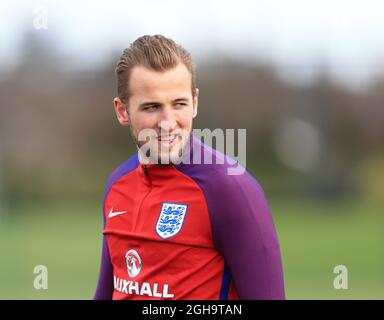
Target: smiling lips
[{"x": 168, "y": 140}]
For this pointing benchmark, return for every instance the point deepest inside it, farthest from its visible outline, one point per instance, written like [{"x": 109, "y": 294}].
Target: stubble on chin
[{"x": 161, "y": 155}]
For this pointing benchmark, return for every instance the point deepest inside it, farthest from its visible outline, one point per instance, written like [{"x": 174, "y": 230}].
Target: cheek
[
  {"x": 139, "y": 122},
  {"x": 186, "y": 117}
]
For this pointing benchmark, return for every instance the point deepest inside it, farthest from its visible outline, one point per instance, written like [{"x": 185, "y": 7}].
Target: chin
[
  {"x": 172, "y": 157},
  {"x": 165, "y": 155}
]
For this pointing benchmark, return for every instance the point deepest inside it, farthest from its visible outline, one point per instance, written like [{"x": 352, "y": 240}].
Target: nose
[{"x": 167, "y": 121}]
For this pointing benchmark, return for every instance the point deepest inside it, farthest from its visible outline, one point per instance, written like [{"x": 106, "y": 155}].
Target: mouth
[{"x": 169, "y": 140}]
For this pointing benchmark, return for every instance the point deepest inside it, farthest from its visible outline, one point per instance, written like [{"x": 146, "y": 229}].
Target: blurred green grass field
[{"x": 315, "y": 236}]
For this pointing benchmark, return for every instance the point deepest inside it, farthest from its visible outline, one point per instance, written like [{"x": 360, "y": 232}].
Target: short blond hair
[{"x": 155, "y": 52}]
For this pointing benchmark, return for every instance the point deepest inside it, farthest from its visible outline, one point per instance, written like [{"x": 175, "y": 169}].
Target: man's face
[{"x": 162, "y": 102}]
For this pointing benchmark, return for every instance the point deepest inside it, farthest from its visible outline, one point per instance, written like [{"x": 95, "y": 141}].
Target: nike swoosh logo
[{"x": 113, "y": 214}]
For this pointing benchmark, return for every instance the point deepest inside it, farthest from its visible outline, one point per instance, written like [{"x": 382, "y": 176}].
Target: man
[{"x": 175, "y": 229}]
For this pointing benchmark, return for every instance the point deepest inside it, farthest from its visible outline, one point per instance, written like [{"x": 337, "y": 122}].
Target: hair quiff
[{"x": 155, "y": 52}]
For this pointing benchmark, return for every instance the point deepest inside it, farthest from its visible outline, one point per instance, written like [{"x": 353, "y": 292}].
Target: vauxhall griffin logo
[{"x": 133, "y": 261}]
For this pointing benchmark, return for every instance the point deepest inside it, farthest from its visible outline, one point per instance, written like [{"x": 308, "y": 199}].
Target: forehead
[{"x": 145, "y": 83}]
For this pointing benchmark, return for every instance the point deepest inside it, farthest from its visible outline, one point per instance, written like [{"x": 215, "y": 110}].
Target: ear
[
  {"x": 121, "y": 112},
  {"x": 195, "y": 102}
]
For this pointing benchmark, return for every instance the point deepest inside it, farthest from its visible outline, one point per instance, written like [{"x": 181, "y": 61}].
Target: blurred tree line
[{"x": 59, "y": 138}]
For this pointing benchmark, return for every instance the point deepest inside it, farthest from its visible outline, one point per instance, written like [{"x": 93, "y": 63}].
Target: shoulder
[
  {"x": 124, "y": 168},
  {"x": 236, "y": 203},
  {"x": 236, "y": 189},
  {"x": 220, "y": 175}
]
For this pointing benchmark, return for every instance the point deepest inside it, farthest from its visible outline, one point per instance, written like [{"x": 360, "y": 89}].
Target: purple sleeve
[
  {"x": 104, "y": 288},
  {"x": 245, "y": 234},
  {"x": 243, "y": 231}
]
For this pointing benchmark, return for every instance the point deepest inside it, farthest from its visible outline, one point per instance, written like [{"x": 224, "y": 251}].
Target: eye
[
  {"x": 151, "y": 107},
  {"x": 181, "y": 104}
]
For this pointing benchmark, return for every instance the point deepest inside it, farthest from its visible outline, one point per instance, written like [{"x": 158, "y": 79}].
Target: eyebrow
[
  {"x": 151, "y": 103},
  {"x": 180, "y": 99}
]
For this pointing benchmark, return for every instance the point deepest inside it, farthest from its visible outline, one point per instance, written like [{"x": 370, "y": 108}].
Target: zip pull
[{"x": 145, "y": 170}]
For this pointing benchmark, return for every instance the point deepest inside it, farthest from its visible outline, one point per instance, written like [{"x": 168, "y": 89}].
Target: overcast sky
[{"x": 347, "y": 36}]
